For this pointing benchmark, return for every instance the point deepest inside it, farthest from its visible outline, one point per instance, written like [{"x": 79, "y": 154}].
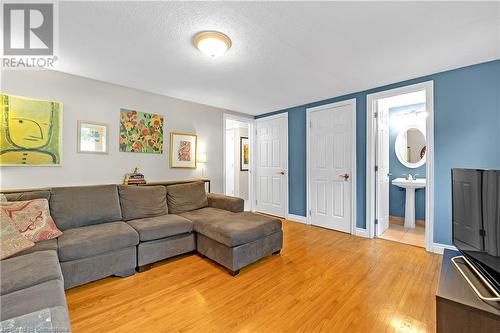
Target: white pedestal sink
[{"x": 410, "y": 186}]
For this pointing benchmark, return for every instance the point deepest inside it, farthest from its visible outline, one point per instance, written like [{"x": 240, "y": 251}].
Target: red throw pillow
[
  {"x": 32, "y": 219},
  {"x": 11, "y": 239}
]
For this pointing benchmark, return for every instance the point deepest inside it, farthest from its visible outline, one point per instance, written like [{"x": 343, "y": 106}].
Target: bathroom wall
[{"x": 397, "y": 122}]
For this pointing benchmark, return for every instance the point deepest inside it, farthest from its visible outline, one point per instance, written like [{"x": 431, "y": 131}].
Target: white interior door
[
  {"x": 271, "y": 165},
  {"x": 383, "y": 170},
  {"x": 331, "y": 166},
  {"x": 229, "y": 190}
]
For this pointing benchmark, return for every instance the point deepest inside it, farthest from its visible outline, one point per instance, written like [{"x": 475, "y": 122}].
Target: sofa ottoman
[{"x": 239, "y": 239}]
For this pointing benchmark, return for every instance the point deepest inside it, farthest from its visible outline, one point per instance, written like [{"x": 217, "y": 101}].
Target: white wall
[{"x": 86, "y": 99}]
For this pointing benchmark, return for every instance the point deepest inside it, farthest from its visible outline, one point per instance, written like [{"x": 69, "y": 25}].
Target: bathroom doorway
[{"x": 400, "y": 186}]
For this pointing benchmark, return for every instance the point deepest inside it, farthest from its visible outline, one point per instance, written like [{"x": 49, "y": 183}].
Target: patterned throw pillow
[
  {"x": 32, "y": 219},
  {"x": 12, "y": 241},
  {"x": 3, "y": 198}
]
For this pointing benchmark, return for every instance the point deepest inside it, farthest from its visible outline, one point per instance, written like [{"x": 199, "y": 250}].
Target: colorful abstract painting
[
  {"x": 244, "y": 154},
  {"x": 183, "y": 150},
  {"x": 141, "y": 132},
  {"x": 30, "y": 132}
]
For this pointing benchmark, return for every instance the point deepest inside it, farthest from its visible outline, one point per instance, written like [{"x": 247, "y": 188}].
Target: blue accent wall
[
  {"x": 397, "y": 195},
  {"x": 466, "y": 134},
  {"x": 296, "y": 153}
]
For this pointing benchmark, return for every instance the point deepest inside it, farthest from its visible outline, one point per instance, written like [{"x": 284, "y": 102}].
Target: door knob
[
  {"x": 345, "y": 176},
  {"x": 281, "y": 173}
]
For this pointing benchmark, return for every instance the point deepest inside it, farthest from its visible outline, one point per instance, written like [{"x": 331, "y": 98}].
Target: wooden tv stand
[{"x": 458, "y": 309}]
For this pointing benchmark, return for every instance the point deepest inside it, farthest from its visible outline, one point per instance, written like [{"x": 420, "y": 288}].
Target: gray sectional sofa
[{"x": 116, "y": 230}]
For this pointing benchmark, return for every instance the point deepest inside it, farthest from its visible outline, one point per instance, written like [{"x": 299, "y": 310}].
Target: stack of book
[{"x": 134, "y": 178}]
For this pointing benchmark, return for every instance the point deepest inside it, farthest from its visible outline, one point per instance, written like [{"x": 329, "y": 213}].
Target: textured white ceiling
[{"x": 284, "y": 53}]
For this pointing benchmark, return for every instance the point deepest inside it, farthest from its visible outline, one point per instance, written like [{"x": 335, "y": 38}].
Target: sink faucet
[{"x": 410, "y": 177}]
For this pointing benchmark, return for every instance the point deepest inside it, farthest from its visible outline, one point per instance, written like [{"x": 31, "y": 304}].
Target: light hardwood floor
[{"x": 322, "y": 281}]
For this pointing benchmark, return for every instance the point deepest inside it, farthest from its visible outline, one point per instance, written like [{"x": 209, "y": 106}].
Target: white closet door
[
  {"x": 331, "y": 167},
  {"x": 271, "y": 165}
]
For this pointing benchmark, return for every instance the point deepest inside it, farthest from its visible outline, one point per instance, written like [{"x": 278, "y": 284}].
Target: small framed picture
[
  {"x": 183, "y": 149},
  {"x": 244, "y": 153},
  {"x": 92, "y": 137}
]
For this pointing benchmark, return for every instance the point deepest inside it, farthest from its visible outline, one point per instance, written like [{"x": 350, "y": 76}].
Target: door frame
[
  {"x": 226, "y": 153},
  {"x": 371, "y": 128},
  {"x": 251, "y": 125},
  {"x": 352, "y": 103},
  {"x": 276, "y": 116}
]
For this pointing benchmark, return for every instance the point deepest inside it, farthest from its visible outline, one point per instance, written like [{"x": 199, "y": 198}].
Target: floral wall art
[{"x": 141, "y": 132}]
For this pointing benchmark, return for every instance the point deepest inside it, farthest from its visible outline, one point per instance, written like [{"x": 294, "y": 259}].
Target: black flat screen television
[{"x": 476, "y": 219}]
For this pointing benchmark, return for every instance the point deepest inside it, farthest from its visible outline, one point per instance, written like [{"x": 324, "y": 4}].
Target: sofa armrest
[{"x": 225, "y": 202}]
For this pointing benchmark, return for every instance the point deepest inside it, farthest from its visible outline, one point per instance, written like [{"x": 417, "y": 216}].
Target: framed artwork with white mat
[{"x": 183, "y": 149}]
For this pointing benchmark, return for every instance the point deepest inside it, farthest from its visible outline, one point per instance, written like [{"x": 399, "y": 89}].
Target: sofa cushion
[
  {"x": 96, "y": 239},
  {"x": 32, "y": 219},
  {"x": 38, "y": 297},
  {"x": 73, "y": 207},
  {"x": 11, "y": 240},
  {"x": 46, "y": 245},
  {"x": 161, "y": 226},
  {"x": 142, "y": 201},
  {"x": 241, "y": 228},
  {"x": 28, "y": 270},
  {"x": 208, "y": 214},
  {"x": 186, "y": 197},
  {"x": 31, "y": 195}
]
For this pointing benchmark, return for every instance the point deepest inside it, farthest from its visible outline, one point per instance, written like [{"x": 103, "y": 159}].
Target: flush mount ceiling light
[{"x": 212, "y": 43}]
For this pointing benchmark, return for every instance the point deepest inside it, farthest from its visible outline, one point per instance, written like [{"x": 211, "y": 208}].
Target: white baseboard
[
  {"x": 439, "y": 248},
  {"x": 297, "y": 218},
  {"x": 360, "y": 232}
]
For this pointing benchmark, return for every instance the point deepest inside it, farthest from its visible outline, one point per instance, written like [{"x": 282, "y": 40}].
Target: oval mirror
[{"x": 411, "y": 147}]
